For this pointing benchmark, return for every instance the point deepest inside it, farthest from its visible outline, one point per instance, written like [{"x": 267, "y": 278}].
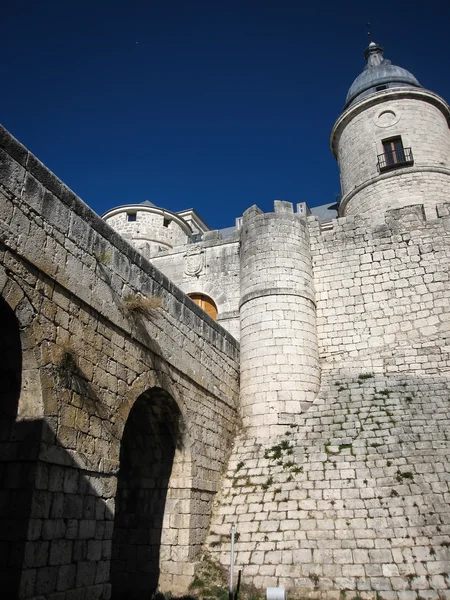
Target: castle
[{"x": 136, "y": 429}]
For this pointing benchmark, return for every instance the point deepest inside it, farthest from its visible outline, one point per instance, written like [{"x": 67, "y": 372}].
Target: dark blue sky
[{"x": 209, "y": 104}]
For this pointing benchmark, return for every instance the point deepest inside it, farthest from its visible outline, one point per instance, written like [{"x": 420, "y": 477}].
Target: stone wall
[
  {"x": 383, "y": 292},
  {"x": 115, "y": 447},
  {"x": 100, "y": 328},
  {"x": 209, "y": 267},
  {"x": 352, "y": 503},
  {"x": 352, "y": 499}
]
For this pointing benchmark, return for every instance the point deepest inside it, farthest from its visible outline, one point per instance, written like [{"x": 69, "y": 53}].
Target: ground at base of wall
[{"x": 211, "y": 582}]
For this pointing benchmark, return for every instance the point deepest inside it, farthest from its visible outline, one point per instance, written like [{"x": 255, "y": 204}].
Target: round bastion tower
[
  {"x": 392, "y": 142},
  {"x": 150, "y": 229},
  {"x": 279, "y": 351}
]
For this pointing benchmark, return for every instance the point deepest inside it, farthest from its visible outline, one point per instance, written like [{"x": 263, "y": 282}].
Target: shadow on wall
[
  {"x": 57, "y": 526},
  {"x": 55, "y": 530},
  {"x": 17, "y": 458},
  {"x": 146, "y": 459}
]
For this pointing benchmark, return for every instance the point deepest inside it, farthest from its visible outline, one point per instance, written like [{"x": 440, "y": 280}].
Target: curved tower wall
[
  {"x": 279, "y": 354},
  {"x": 419, "y": 118},
  {"x": 152, "y": 230}
]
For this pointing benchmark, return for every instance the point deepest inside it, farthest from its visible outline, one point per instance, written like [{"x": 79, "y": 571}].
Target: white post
[{"x": 233, "y": 531}]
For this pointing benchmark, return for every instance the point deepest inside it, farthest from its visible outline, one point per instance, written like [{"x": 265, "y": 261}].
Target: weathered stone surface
[
  {"x": 120, "y": 395},
  {"x": 93, "y": 353}
]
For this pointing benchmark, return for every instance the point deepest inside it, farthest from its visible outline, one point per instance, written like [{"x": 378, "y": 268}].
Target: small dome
[{"x": 378, "y": 72}]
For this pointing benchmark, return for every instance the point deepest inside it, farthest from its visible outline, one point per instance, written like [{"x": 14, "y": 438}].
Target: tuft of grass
[
  {"x": 364, "y": 376},
  {"x": 289, "y": 464},
  {"x": 68, "y": 360},
  {"x": 267, "y": 484},
  {"x": 136, "y": 304}
]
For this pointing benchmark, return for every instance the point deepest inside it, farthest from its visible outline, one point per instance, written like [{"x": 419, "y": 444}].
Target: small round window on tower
[{"x": 386, "y": 118}]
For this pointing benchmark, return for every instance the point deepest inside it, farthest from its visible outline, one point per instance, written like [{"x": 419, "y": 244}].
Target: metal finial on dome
[
  {"x": 374, "y": 54},
  {"x": 378, "y": 72},
  {"x": 369, "y": 32}
]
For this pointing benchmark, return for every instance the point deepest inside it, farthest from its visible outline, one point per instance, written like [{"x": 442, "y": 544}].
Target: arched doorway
[
  {"x": 151, "y": 440},
  {"x": 206, "y": 303},
  {"x": 13, "y": 479},
  {"x": 10, "y": 365}
]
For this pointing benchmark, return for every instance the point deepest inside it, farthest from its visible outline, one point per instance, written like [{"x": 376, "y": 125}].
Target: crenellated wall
[
  {"x": 279, "y": 359},
  {"x": 351, "y": 500}
]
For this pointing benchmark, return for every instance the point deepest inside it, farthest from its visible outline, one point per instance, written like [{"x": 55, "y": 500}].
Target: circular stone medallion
[{"x": 386, "y": 118}]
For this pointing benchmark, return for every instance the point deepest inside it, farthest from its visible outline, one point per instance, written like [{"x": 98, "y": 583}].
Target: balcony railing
[{"x": 393, "y": 159}]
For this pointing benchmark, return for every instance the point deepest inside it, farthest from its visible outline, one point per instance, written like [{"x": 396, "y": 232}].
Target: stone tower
[
  {"x": 279, "y": 356},
  {"x": 149, "y": 228},
  {"x": 392, "y": 142}
]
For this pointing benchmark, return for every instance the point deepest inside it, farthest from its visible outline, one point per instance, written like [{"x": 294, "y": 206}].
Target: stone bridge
[{"x": 118, "y": 402}]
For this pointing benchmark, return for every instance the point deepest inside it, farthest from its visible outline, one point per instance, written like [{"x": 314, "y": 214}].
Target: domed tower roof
[{"x": 378, "y": 74}]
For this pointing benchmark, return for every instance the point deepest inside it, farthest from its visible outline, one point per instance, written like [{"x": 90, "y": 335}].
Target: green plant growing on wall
[
  {"x": 289, "y": 464},
  {"x": 315, "y": 580},
  {"x": 268, "y": 483},
  {"x": 276, "y": 452},
  {"x": 405, "y": 475},
  {"x": 103, "y": 257},
  {"x": 344, "y": 447},
  {"x": 365, "y": 376}
]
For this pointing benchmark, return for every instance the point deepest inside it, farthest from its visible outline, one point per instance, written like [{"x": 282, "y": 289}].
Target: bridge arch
[
  {"x": 10, "y": 366},
  {"x": 152, "y": 505},
  {"x": 17, "y": 316},
  {"x": 20, "y": 431}
]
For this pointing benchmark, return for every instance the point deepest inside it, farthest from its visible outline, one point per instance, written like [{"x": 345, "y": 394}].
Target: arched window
[{"x": 205, "y": 302}]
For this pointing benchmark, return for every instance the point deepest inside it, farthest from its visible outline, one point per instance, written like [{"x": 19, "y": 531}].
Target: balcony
[{"x": 393, "y": 159}]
